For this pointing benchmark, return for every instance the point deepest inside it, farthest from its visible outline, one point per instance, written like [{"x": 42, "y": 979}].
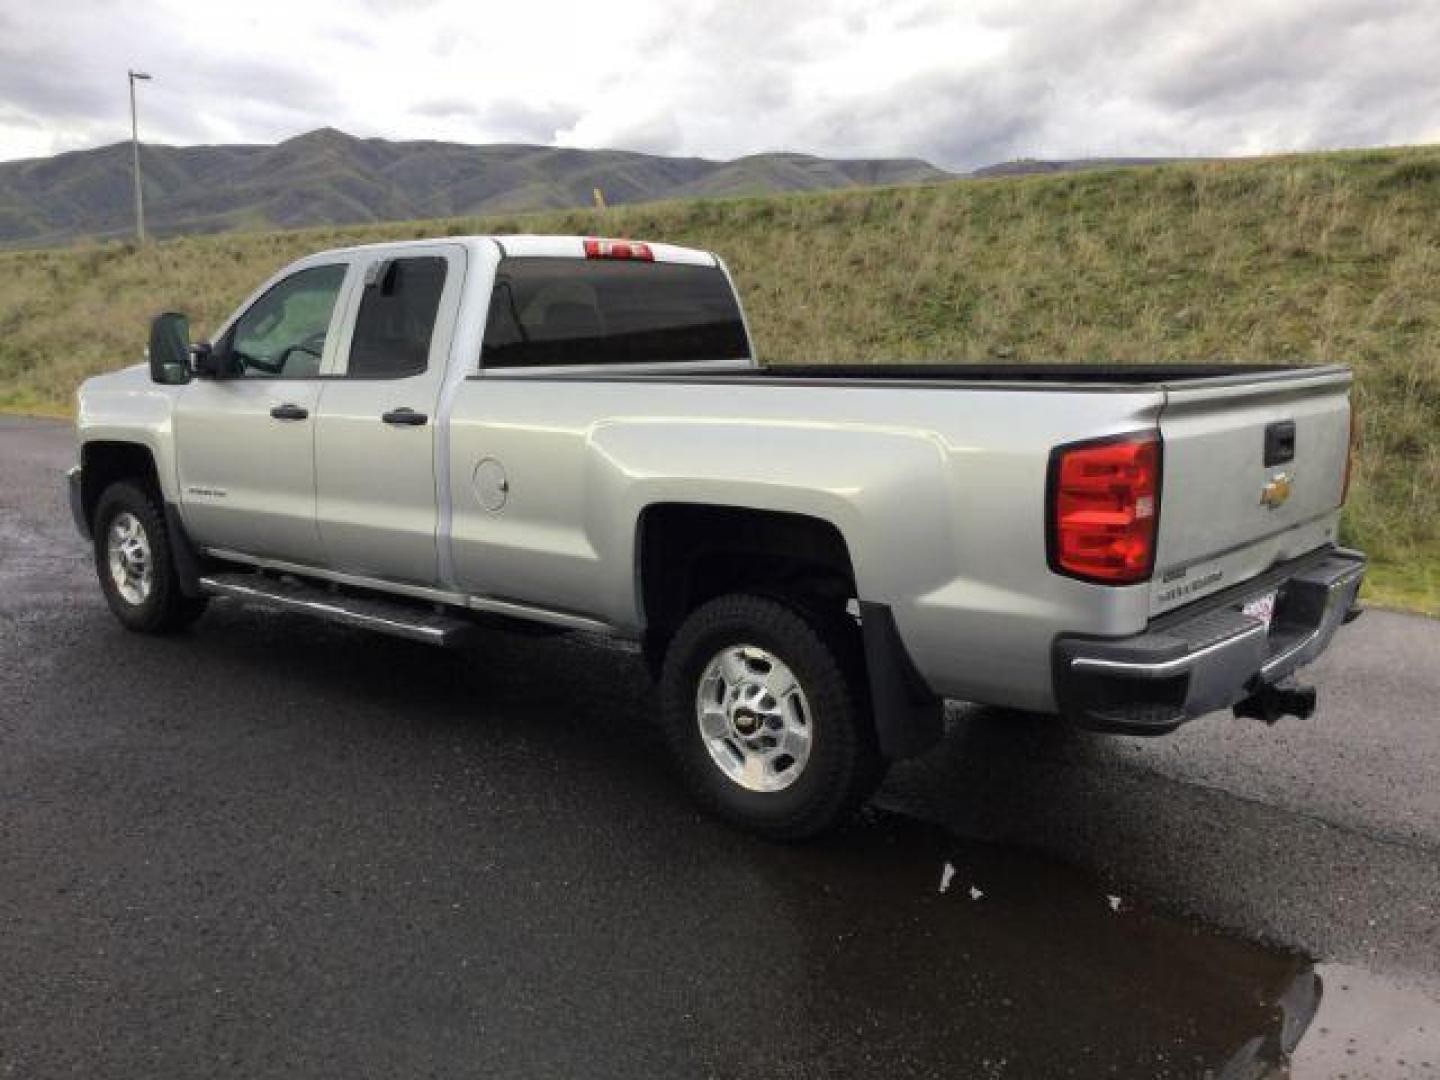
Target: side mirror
[{"x": 169, "y": 350}]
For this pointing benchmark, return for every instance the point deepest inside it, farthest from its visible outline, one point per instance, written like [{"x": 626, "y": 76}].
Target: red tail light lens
[
  {"x": 1104, "y": 501},
  {"x": 618, "y": 249}
]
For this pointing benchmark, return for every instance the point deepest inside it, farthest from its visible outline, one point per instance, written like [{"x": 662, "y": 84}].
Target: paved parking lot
[{"x": 273, "y": 847}]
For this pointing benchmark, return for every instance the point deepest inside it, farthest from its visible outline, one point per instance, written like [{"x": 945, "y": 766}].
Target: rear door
[
  {"x": 376, "y": 433},
  {"x": 1253, "y": 474}
]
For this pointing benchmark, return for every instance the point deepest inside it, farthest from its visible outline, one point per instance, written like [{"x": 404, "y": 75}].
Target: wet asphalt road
[{"x": 273, "y": 847}]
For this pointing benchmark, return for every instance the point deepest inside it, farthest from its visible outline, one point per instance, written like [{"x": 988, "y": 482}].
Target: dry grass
[{"x": 1331, "y": 257}]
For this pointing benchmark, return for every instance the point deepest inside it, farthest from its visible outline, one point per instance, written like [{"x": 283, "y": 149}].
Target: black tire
[
  {"x": 844, "y": 765},
  {"x": 165, "y": 608}
]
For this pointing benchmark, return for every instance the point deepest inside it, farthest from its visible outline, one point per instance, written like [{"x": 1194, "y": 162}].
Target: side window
[
  {"x": 397, "y": 319},
  {"x": 282, "y": 335}
]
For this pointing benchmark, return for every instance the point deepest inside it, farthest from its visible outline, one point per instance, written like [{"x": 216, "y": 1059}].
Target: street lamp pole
[{"x": 135, "y": 153}]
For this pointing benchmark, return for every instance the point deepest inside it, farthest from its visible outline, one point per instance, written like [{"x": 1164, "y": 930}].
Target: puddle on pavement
[{"x": 1022, "y": 967}]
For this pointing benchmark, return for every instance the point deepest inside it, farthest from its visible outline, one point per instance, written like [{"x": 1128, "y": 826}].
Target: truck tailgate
[{"x": 1253, "y": 474}]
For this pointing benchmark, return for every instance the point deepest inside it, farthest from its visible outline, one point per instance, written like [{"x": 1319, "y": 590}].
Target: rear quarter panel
[{"x": 939, "y": 494}]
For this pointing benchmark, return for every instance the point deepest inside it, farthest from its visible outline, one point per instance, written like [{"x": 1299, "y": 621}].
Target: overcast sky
[{"x": 962, "y": 83}]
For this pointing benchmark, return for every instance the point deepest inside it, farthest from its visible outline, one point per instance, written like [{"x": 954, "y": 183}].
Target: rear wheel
[
  {"x": 134, "y": 564},
  {"x": 766, "y": 715}
]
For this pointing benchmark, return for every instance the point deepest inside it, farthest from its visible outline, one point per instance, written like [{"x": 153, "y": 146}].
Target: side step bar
[{"x": 406, "y": 620}]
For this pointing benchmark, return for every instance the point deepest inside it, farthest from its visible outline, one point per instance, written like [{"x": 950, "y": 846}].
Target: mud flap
[
  {"x": 182, "y": 551},
  {"x": 908, "y": 716}
]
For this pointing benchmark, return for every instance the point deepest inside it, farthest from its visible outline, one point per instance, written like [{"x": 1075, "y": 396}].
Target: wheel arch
[
  {"x": 105, "y": 462},
  {"x": 688, "y": 553}
]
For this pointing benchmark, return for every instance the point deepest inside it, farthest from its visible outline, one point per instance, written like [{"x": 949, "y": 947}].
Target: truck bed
[
  {"x": 1219, "y": 521},
  {"x": 1018, "y": 376},
  {"x": 1066, "y": 373}
]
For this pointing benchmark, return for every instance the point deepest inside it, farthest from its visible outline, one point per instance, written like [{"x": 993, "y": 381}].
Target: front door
[
  {"x": 246, "y": 444},
  {"x": 376, "y": 435}
]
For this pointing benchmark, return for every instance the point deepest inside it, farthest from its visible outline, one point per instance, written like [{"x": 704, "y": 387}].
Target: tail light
[
  {"x": 618, "y": 249},
  {"x": 1104, "y": 502},
  {"x": 1350, "y": 452}
]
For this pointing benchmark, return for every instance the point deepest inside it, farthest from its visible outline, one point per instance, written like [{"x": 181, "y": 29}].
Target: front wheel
[
  {"x": 134, "y": 564},
  {"x": 766, "y": 714}
]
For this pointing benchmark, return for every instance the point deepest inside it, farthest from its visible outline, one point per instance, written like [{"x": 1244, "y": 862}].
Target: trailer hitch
[{"x": 1271, "y": 701}]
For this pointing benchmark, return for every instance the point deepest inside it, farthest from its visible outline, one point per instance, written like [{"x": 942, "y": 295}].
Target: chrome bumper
[{"x": 1210, "y": 655}]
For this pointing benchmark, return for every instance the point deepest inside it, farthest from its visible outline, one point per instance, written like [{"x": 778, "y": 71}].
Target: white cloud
[{"x": 960, "y": 84}]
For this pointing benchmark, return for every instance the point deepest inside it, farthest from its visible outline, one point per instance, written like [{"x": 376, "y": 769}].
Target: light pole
[{"x": 135, "y": 148}]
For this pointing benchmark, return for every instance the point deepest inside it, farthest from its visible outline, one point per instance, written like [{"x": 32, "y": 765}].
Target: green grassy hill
[{"x": 1331, "y": 257}]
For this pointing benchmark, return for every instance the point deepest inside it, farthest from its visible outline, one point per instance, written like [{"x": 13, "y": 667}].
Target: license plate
[{"x": 1262, "y": 608}]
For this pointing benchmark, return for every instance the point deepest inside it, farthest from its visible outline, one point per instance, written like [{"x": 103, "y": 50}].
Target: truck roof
[{"x": 538, "y": 245}]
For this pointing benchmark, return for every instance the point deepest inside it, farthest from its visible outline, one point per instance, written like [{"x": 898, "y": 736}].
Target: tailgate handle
[{"x": 1280, "y": 442}]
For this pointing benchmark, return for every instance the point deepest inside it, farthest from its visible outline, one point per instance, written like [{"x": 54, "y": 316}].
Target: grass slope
[{"x": 1331, "y": 257}]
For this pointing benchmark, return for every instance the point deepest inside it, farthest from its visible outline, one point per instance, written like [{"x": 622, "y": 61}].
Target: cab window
[
  {"x": 556, "y": 311},
  {"x": 282, "y": 335},
  {"x": 397, "y": 318}
]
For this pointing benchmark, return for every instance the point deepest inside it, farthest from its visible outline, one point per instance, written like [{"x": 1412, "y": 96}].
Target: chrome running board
[{"x": 410, "y": 620}]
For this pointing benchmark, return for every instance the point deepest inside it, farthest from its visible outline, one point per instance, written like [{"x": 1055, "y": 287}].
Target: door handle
[
  {"x": 289, "y": 412},
  {"x": 405, "y": 417}
]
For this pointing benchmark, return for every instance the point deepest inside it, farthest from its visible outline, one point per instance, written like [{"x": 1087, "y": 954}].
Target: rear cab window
[
  {"x": 563, "y": 312},
  {"x": 396, "y": 322}
]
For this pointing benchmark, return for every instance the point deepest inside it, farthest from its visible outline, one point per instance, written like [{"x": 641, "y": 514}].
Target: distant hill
[
  {"x": 327, "y": 177},
  {"x": 1030, "y": 166}
]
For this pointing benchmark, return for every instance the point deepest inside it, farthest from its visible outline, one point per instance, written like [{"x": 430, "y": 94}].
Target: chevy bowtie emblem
[{"x": 1276, "y": 490}]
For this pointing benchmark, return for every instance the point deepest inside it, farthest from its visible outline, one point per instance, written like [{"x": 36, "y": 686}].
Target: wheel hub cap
[
  {"x": 127, "y": 549},
  {"x": 754, "y": 718}
]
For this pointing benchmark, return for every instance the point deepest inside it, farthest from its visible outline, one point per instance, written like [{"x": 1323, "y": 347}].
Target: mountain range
[{"x": 327, "y": 177}]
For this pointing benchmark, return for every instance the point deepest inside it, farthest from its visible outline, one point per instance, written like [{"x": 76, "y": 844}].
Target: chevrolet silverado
[{"x": 424, "y": 437}]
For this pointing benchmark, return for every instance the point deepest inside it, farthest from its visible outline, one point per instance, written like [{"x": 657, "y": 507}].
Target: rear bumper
[
  {"x": 1210, "y": 655},
  {"x": 74, "y": 484}
]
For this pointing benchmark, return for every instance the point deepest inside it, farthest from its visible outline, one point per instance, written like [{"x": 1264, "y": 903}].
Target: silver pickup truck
[{"x": 424, "y": 437}]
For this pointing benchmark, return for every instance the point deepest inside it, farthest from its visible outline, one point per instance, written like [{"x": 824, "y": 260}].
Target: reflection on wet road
[
  {"x": 1023, "y": 967},
  {"x": 271, "y": 847}
]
